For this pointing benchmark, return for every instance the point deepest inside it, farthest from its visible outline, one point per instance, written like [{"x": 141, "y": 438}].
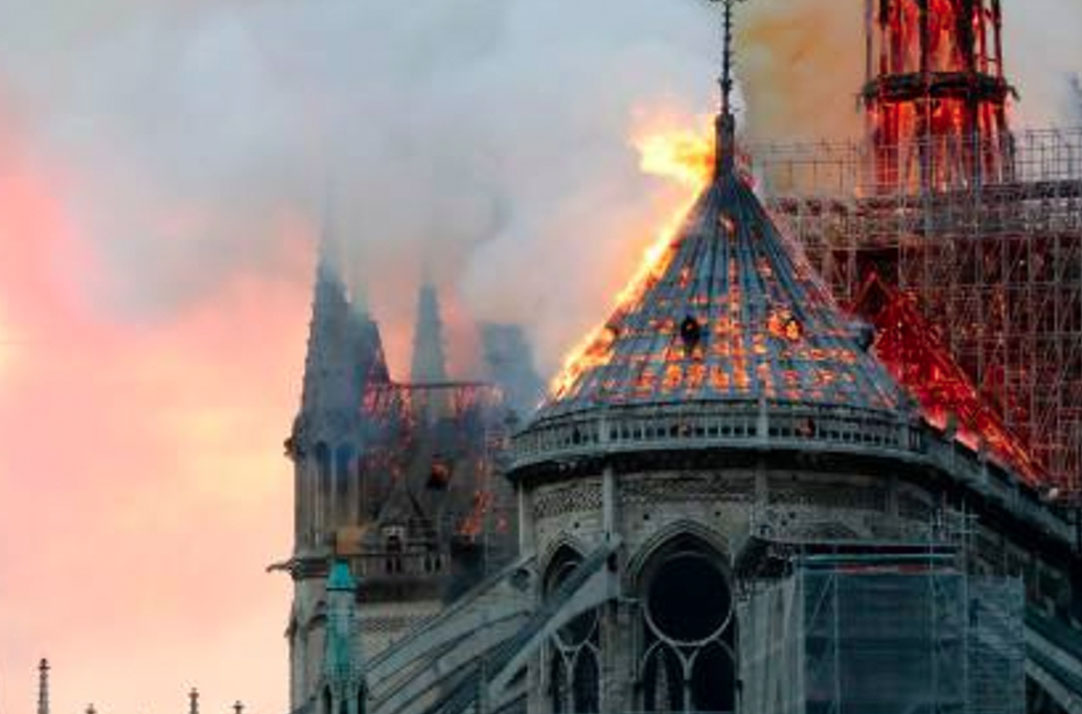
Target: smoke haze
[{"x": 162, "y": 170}]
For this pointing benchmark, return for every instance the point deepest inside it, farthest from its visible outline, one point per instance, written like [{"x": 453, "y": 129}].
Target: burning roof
[
  {"x": 907, "y": 343},
  {"x": 729, "y": 311}
]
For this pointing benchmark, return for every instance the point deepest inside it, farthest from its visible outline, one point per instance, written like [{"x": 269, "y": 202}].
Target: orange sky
[
  {"x": 143, "y": 404},
  {"x": 142, "y": 486}
]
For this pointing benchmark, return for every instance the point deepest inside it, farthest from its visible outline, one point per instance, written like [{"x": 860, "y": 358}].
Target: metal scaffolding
[
  {"x": 995, "y": 266},
  {"x": 874, "y": 633}
]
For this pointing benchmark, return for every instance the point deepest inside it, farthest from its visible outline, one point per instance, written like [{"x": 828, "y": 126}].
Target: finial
[
  {"x": 726, "y": 122},
  {"x": 238, "y": 708},
  {"x": 193, "y": 701},
  {"x": 90, "y": 709},
  {"x": 43, "y": 686}
]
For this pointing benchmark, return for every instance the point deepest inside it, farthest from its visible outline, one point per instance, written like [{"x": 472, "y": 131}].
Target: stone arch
[
  {"x": 660, "y": 673},
  {"x": 562, "y": 546},
  {"x": 326, "y": 701},
  {"x": 683, "y": 580},
  {"x": 665, "y": 537},
  {"x": 572, "y": 657},
  {"x": 713, "y": 673}
]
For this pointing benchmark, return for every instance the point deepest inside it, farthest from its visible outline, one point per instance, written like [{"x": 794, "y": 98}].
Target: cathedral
[{"x": 727, "y": 503}]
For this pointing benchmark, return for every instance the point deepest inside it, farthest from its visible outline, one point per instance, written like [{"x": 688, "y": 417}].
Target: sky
[{"x": 163, "y": 169}]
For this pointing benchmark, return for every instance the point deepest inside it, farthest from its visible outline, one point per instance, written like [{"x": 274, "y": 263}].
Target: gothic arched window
[
  {"x": 558, "y": 689},
  {"x": 662, "y": 678},
  {"x": 574, "y": 651},
  {"x": 586, "y": 682},
  {"x": 687, "y": 663}
]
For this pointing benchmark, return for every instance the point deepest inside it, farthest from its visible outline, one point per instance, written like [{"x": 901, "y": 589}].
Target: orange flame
[{"x": 685, "y": 157}]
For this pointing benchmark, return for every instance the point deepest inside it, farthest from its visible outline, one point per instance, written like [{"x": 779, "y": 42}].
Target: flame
[
  {"x": 683, "y": 155},
  {"x": 680, "y": 155}
]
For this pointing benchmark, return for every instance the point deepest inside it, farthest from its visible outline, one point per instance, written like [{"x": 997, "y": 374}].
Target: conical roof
[{"x": 732, "y": 312}]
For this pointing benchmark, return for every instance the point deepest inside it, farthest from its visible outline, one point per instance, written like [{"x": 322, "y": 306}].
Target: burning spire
[{"x": 936, "y": 95}]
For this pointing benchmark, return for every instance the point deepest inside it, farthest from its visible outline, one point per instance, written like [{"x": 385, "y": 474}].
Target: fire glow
[
  {"x": 926, "y": 131},
  {"x": 686, "y": 158}
]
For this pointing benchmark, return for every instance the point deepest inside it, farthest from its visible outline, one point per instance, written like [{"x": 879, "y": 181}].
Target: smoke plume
[{"x": 162, "y": 171}]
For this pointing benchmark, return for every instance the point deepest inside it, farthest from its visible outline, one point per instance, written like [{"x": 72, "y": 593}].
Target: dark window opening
[
  {"x": 713, "y": 687},
  {"x": 587, "y": 683},
  {"x": 689, "y": 598},
  {"x": 558, "y": 685}
]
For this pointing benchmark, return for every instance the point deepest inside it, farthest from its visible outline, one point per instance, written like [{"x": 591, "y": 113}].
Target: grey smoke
[
  {"x": 484, "y": 140},
  {"x": 1076, "y": 93}
]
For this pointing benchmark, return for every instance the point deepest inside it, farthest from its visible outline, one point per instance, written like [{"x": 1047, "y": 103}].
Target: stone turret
[
  {"x": 345, "y": 355},
  {"x": 330, "y": 435},
  {"x": 343, "y": 679}
]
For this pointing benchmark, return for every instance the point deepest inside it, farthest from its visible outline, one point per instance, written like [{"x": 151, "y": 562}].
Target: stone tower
[
  {"x": 392, "y": 482},
  {"x": 344, "y": 359}
]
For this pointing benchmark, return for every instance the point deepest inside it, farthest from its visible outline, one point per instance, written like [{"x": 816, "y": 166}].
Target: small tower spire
[
  {"x": 343, "y": 665},
  {"x": 725, "y": 125},
  {"x": 43, "y": 687},
  {"x": 429, "y": 363},
  {"x": 193, "y": 701},
  {"x": 238, "y": 707}
]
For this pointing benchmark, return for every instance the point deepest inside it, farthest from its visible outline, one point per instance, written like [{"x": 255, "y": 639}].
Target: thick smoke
[
  {"x": 486, "y": 140},
  {"x": 162, "y": 171}
]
